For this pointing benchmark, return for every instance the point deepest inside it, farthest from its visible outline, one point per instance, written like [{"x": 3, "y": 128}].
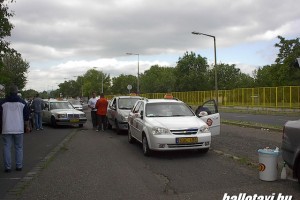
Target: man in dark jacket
[
  {"x": 14, "y": 114},
  {"x": 37, "y": 106}
]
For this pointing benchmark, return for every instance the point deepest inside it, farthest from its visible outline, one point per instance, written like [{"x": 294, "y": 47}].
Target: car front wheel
[
  {"x": 298, "y": 172},
  {"x": 130, "y": 138},
  {"x": 53, "y": 122},
  {"x": 117, "y": 128},
  {"x": 146, "y": 149},
  {"x": 203, "y": 150}
]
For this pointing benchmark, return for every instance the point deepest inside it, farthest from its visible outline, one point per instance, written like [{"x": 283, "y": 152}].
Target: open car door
[{"x": 209, "y": 113}]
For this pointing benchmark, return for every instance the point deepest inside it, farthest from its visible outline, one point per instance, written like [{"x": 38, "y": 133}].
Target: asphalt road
[{"x": 103, "y": 165}]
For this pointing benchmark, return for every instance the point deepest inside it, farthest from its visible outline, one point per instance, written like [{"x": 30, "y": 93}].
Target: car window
[
  {"x": 167, "y": 109},
  {"x": 126, "y": 103},
  {"x": 60, "y": 105},
  {"x": 75, "y": 102},
  {"x": 114, "y": 101},
  {"x": 136, "y": 108}
]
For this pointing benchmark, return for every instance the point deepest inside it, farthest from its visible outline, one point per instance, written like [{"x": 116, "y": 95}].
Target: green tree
[
  {"x": 191, "y": 73},
  {"x": 5, "y": 29},
  {"x": 14, "y": 70},
  {"x": 282, "y": 73},
  {"x": 230, "y": 77},
  {"x": 92, "y": 82},
  {"x": 158, "y": 79},
  {"x": 120, "y": 83},
  {"x": 289, "y": 50}
]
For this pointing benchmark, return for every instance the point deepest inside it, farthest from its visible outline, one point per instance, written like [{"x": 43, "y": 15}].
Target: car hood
[
  {"x": 177, "y": 122},
  {"x": 68, "y": 111}
]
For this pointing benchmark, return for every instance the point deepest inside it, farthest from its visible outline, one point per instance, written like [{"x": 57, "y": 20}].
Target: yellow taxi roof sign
[{"x": 168, "y": 96}]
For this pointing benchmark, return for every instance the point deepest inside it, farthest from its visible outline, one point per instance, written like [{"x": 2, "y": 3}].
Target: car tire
[
  {"x": 117, "y": 128},
  {"x": 80, "y": 125},
  {"x": 53, "y": 122},
  {"x": 146, "y": 150},
  {"x": 109, "y": 126},
  {"x": 203, "y": 150},
  {"x": 298, "y": 171},
  {"x": 130, "y": 138}
]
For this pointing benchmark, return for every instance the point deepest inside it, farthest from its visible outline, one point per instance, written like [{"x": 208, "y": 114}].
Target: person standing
[
  {"x": 91, "y": 104},
  {"x": 101, "y": 106},
  {"x": 37, "y": 106},
  {"x": 14, "y": 113}
]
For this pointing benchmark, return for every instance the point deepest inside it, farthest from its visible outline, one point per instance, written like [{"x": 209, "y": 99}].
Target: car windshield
[
  {"x": 127, "y": 103},
  {"x": 168, "y": 109},
  {"x": 75, "y": 102},
  {"x": 60, "y": 105}
]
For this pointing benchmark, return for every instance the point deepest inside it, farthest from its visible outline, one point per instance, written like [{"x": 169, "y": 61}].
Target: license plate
[
  {"x": 74, "y": 120},
  {"x": 186, "y": 140}
]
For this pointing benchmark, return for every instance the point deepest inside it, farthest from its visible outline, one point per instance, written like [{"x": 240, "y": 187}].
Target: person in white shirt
[{"x": 91, "y": 104}]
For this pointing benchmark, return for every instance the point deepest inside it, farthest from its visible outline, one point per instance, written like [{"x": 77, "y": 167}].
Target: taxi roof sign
[{"x": 168, "y": 96}]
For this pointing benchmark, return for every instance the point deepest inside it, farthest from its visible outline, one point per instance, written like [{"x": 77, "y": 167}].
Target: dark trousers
[
  {"x": 101, "y": 120},
  {"x": 94, "y": 118}
]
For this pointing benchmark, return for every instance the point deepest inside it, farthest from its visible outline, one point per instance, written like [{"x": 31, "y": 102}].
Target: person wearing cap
[{"x": 14, "y": 113}]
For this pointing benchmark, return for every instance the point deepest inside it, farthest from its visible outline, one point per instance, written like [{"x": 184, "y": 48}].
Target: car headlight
[
  {"x": 160, "y": 131},
  {"x": 82, "y": 116},
  {"x": 123, "y": 118},
  {"x": 62, "y": 115},
  {"x": 204, "y": 129}
]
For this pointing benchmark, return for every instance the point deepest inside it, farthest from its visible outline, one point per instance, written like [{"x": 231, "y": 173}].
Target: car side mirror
[{"x": 142, "y": 114}]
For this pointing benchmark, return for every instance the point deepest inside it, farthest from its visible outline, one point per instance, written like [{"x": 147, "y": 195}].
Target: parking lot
[{"x": 104, "y": 165}]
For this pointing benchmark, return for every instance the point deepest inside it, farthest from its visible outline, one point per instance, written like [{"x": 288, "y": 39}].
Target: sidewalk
[{"x": 39, "y": 146}]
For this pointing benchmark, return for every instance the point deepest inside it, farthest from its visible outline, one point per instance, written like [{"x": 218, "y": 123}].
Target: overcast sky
[{"x": 64, "y": 38}]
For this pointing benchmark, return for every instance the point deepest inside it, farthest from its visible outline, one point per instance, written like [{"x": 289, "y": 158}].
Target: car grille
[
  {"x": 186, "y": 145},
  {"x": 73, "y": 116},
  {"x": 184, "y": 131}
]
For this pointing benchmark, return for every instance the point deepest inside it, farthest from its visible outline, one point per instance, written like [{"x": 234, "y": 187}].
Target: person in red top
[{"x": 101, "y": 106}]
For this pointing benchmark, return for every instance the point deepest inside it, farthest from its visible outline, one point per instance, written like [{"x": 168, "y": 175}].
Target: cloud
[{"x": 54, "y": 35}]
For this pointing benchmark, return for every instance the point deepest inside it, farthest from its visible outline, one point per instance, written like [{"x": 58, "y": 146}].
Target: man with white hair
[{"x": 14, "y": 114}]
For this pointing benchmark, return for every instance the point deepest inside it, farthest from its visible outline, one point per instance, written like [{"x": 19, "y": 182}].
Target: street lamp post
[
  {"x": 138, "y": 72},
  {"x": 215, "y": 52},
  {"x": 101, "y": 79},
  {"x": 102, "y": 83}
]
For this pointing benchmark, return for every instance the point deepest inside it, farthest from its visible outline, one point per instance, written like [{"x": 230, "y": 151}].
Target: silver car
[
  {"x": 60, "y": 112},
  {"x": 118, "y": 111},
  {"x": 291, "y": 146}
]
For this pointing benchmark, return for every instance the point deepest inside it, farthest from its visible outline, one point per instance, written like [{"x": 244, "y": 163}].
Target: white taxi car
[
  {"x": 61, "y": 112},
  {"x": 170, "y": 124}
]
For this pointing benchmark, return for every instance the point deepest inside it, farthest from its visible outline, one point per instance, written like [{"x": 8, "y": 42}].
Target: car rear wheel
[
  {"x": 130, "y": 138},
  {"x": 146, "y": 149},
  {"x": 203, "y": 150}
]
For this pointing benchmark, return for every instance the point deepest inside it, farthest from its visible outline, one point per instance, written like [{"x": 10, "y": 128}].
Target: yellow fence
[{"x": 266, "y": 97}]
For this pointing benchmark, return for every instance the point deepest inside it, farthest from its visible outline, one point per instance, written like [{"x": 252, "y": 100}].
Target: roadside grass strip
[{"x": 266, "y": 127}]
